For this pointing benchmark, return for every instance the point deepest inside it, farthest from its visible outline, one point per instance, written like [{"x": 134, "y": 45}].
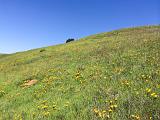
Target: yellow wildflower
[
  {"x": 104, "y": 111},
  {"x": 148, "y": 90},
  {"x": 100, "y": 114},
  {"x": 46, "y": 114},
  {"x": 110, "y": 110},
  {"x": 154, "y": 95},
  {"x": 44, "y": 107},
  {"x": 95, "y": 110},
  {"x": 115, "y": 106}
]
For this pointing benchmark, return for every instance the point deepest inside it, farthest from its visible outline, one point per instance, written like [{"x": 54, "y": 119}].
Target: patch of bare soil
[{"x": 29, "y": 83}]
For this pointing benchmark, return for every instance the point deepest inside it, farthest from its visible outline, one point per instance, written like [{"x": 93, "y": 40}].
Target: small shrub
[{"x": 42, "y": 50}]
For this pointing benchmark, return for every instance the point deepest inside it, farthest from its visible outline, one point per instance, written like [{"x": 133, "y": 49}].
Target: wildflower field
[{"x": 107, "y": 76}]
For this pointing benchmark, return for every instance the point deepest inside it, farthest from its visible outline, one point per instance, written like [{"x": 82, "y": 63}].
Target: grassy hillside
[
  {"x": 109, "y": 76},
  {"x": 2, "y": 55}
]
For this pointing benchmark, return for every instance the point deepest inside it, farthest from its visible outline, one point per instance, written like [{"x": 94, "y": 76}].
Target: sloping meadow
[{"x": 113, "y": 75}]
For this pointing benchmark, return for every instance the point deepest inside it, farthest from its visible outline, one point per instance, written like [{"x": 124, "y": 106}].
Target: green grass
[
  {"x": 108, "y": 76},
  {"x": 3, "y": 55}
]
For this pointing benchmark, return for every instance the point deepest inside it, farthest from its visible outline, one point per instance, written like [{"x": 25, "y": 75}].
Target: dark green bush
[
  {"x": 42, "y": 50},
  {"x": 69, "y": 40}
]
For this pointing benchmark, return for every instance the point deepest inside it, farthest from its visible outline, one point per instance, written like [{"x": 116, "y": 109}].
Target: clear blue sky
[{"x": 29, "y": 24}]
